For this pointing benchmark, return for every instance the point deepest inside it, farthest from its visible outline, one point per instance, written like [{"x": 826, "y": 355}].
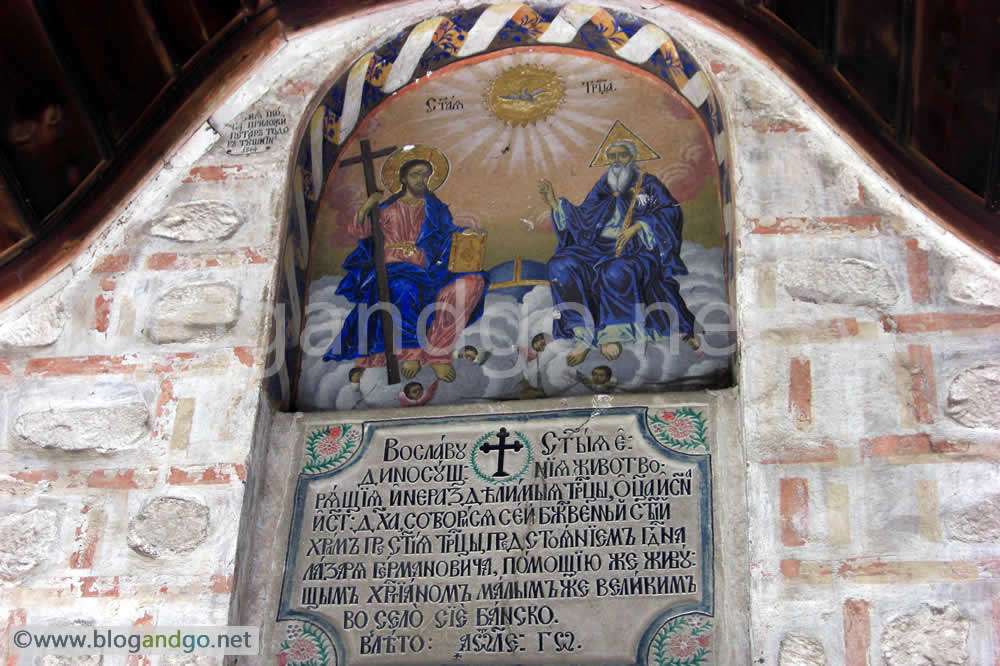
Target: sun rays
[{"x": 500, "y": 149}]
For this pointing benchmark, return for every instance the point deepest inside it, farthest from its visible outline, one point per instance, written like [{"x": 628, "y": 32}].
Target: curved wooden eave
[{"x": 940, "y": 197}]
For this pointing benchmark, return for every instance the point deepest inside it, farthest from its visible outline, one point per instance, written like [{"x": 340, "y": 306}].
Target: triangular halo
[{"x": 619, "y": 132}]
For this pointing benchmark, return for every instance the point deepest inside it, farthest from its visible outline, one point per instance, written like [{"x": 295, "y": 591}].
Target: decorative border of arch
[{"x": 442, "y": 40}]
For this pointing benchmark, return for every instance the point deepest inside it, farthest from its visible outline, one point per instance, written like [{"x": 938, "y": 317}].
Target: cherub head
[
  {"x": 355, "y": 375},
  {"x": 469, "y": 353},
  {"x": 539, "y": 342},
  {"x": 600, "y": 375},
  {"x": 414, "y": 390}
]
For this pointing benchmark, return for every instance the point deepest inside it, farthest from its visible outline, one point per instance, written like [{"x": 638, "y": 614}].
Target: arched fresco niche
[{"x": 550, "y": 190}]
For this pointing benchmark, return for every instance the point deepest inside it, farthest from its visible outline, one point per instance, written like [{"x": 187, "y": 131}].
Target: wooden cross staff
[{"x": 367, "y": 160}]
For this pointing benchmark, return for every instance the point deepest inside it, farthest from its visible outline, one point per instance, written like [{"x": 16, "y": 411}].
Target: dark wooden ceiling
[{"x": 93, "y": 92}]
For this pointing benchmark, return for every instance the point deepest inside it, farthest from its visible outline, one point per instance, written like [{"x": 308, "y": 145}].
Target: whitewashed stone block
[
  {"x": 801, "y": 650},
  {"x": 931, "y": 635},
  {"x": 979, "y": 523},
  {"x": 850, "y": 282},
  {"x": 38, "y": 326},
  {"x": 970, "y": 286},
  {"x": 26, "y": 539},
  {"x": 168, "y": 526},
  {"x": 105, "y": 428},
  {"x": 197, "y": 221},
  {"x": 974, "y": 397},
  {"x": 194, "y": 314}
]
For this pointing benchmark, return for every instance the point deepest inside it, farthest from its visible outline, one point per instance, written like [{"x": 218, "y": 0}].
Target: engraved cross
[{"x": 502, "y": 435}]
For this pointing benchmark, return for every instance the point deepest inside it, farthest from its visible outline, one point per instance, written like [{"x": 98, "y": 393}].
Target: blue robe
[
  {"x": 585, "y": 271},
  {"x": 411, "y": 287}
]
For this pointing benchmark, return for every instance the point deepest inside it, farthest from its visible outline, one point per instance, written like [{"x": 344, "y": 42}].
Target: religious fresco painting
[{"x": 532, "y": 222}]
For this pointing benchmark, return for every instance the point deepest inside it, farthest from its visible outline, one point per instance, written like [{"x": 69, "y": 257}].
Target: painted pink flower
[
  {"x": 282, "y": 658},
  {"x": 668, "y": 416},
  {"x": 703, "y": 640},
  {"x": 328, "y": 446},
  {"x": 683, "y": 646},
  {"x": 681, "y": 429},
  {"x": 302, "y": 649}
]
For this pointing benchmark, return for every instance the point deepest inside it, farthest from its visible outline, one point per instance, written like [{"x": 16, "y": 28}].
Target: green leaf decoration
[
  {"x": 682, "y": 641},
  {"x": 327, "y": 448},
  {"x": 682, "y": 429},
  {"x": 306, "y": 645}
]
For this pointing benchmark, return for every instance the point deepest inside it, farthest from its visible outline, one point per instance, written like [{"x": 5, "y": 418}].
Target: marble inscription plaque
[
  {"x": 573, "y": 536},
  {"x": 256, "y": 131}
]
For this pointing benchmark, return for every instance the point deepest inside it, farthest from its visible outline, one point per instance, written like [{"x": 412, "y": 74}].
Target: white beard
[{"x": 620, "y": 176}]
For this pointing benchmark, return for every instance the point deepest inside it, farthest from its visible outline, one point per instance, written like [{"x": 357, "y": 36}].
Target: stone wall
[{"x": 133, "y": 419}]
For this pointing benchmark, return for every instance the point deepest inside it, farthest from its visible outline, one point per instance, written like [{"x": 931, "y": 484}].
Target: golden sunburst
[{"x": 524, "y": 94}]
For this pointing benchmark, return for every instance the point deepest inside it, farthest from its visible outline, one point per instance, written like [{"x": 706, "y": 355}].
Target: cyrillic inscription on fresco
[
  {"x": 256, "y": 131},
  {"x": 562, "y": 537}
]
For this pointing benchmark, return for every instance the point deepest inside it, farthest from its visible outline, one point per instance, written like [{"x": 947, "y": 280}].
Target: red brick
[
  {"x": 797, "y": 572},
  {"x": 776, "y": 125},
  {"x": 923, "y": 384},
  {"x": 896, "y": 445},
  {"x": 172, "y": 261},
  {"x": 245, "y": 355},
  {"x": 916, "y": 268},
  {"x": 102, "y": 312},
  {"x": 822, "y": 331},
  {"x": 37, "y": 476},
  {"x": 112, "y": 263},
  {"x": 210, "y": 475},
  {"x": 121, "y": 479},
  {"x": 88, "y": 536},
  {"x": 790, "y": 568},
  {"x": 808, "y": 225},
  {"x": 217, "y": 174},
  {"x": 174, "y": 363},
  {"x": 161, "y": 424},
  {"x": 826, "y": 452},
  {"x": 794, "y": 511},
  {"x": 107, "y": 284},
  {"x": 17, "y": 617},
  {"x": 857, "y": 632},
  {"x": 297, "y": 88},
  {"x": 5, "y": 369},
  {"x": 93, "y": 586},
  {"x": 939, "y": 321},
  {"x": 221, "y": 584},
  {"x": 800, "y": 390},
  {"x": 161, "y": 261},
  {"x": 79, "y": 365}
]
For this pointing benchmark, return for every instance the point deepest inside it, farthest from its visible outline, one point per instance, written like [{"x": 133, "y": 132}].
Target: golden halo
[{"x": 438, "y": 162}]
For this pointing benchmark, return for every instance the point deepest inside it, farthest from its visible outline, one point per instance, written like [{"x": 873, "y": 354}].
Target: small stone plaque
[
  {"x": 575, "y": 536},
  {"x": 256, "y": 131}
]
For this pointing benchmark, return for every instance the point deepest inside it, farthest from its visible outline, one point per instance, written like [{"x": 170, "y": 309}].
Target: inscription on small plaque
[
  {"x": 256, "y": 131},
  {"x": 552, "y": 537}
]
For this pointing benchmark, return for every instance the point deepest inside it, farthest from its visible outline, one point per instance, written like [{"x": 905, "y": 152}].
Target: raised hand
[
  {"x": 369, "y": 203},
  {"x": 624, "y": 236},
  {"x": 548, "y": 193}
]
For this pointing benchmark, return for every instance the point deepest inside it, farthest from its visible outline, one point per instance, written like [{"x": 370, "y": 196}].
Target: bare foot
[
  {"x": 693, "y": 341},
  {"x": 577, "y": 355},
  {"x": 611, "y": 350},
  {"x": 409, "y": 369},
  {"x": 444, "y": 371}
]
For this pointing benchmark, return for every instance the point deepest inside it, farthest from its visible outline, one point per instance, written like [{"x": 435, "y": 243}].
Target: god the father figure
[{"x": 612, "y": 275}]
